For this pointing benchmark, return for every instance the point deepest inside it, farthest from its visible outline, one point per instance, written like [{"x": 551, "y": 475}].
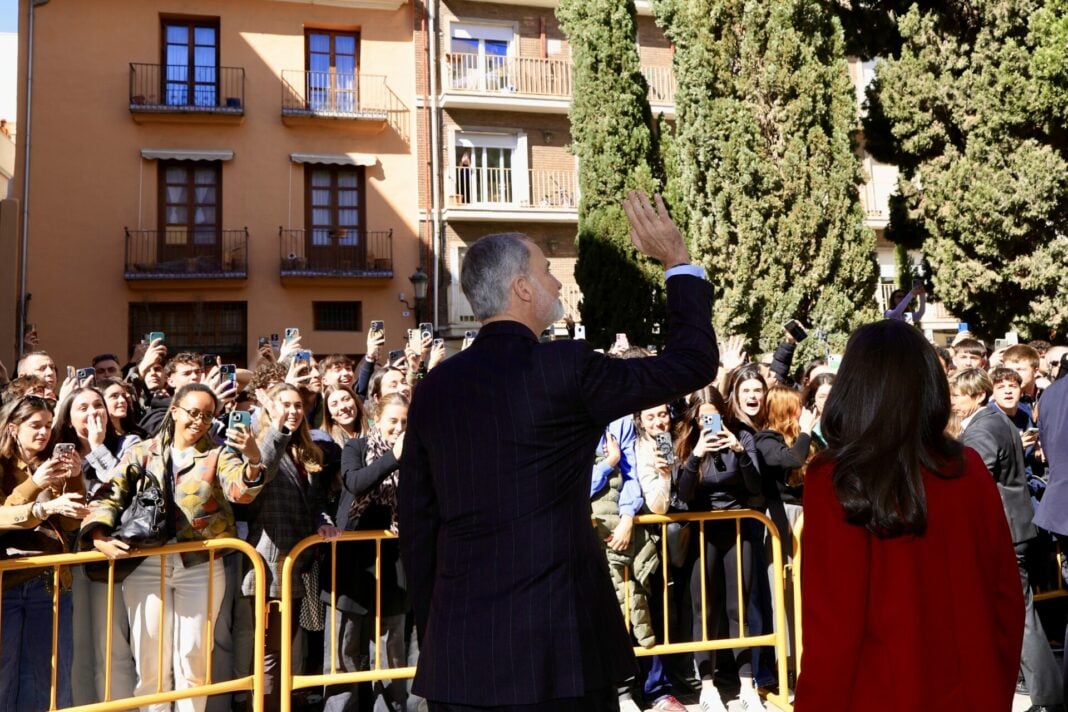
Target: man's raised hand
[{"x": 652, "y": 230}]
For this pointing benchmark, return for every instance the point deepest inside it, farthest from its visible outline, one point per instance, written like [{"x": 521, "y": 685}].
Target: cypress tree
[
  {"x": 973, "y": 108},
  {"x": 765, "y": 164},
  {"x": 612, "y": 137}
]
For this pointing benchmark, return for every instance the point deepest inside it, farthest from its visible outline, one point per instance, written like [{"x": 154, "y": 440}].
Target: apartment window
[
  {"x": 190, "y": 62},
  {"x": 491, "y": 169},
  {"x": 190, "y": 202},
  {"x": 218, "y": 328},
  {"x": 337, "y": 316},
  {"x": 482, "y": 53},
  {"x": 333, "y": 67},
  {"x": 334, "y": 216}
]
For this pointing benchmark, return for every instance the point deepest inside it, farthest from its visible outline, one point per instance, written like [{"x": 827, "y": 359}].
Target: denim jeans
[{"x": 26, "y": 656}]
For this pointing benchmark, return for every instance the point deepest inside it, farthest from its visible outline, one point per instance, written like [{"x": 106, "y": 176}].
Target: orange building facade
[{"x": 218, "y": 172}]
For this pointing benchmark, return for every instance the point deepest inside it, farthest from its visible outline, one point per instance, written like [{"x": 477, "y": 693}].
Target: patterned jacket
[{"x": 203, "y": 490}]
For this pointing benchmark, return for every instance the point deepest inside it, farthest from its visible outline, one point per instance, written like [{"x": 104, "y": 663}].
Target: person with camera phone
[
  {"x": 719, "y": 472},
  {"x": 187, "y": 484},
  {"x": 43, "y": 500},
  {"x": 82, "y": 422},
  {"x": 291, "y": 506}
]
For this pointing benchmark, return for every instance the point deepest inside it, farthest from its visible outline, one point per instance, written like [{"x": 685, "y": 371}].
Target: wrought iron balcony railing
[
  {"x": 186, "y": 253},
  {"x": 341, "y": 95},
  {"x": 173, "y": 88},
  {"x": 336, "y": 253}
]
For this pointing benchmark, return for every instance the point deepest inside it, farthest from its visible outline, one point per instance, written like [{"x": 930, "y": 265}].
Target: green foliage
[
  {"x": 618, "y": 152},
  {"x": 976, "y": 119},
  {"x": 765, "y": 168}
]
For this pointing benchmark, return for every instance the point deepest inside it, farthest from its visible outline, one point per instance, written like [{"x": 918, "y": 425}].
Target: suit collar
[{"x": 506, "y": 328}]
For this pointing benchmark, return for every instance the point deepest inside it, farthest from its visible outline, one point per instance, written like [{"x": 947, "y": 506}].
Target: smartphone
[
  {"x": 546, "y": 336},
  {"x": 469, "y": 338},
  {"x": 962, "y": 327},
  {"x": 394, "y": 356},
  {"x": 438, "y": 343},
  {"x": 834, "y": 362},
  {"x": 304, "y": 356},
  {"x": 415, "y": 340},
  {"x": 275, "y": 342},
  {"x": 426, "y": 330},
  {"x": 622, "y": 342},
  {"x": 916, "y": 283},
  {"x": 240, "y": 417},
  {"x": 663, "y": 444},
  {"x": 794, "y": 329},
  {"x": 229, "y": 370},
  {"x": 208, "y": 361},
  {"x": 292, "y": 333},
  {"x": 1012, "y": 338},
  {"x": 580, "y": 331},
  {"x": 70, "y": 371},
  {"x": 711, "y": 422},
  {"x": 1000, "y": 344},
  {"x": 378, "y": 327},
  {"x": 63, "y": 450},
  {"x": 155, "y": 336},
  {"x": 262, "y": 342},
  {"x": 84, "y": 373}
]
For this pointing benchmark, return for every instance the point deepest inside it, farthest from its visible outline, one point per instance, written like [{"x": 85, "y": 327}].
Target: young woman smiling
[
  {"x": 42, "y": 498},
  {"x": 369, "y": 472},
  {"x": 201, "y": 480}
]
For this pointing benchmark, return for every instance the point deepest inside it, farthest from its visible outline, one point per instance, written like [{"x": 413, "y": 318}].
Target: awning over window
[
  {"x": 185, "y": 154},
  {"x": 335, "y": 159}
]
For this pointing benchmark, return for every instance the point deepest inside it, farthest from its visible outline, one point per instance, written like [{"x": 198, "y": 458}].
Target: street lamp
[{"x": 419, "y": 280}]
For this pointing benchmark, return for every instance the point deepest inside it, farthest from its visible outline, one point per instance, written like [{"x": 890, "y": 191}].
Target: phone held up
[
  {"x": 663, "y": 445},
  {"x": 711, "y": 423},
  {"x": 794, "y": 329}
]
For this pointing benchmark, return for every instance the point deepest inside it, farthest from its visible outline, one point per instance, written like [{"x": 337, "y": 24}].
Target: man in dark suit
[
  {"x": 1052, "y": 514},
  {"x": 991, "y": 434},
  {"x": 510, "y": 587}
]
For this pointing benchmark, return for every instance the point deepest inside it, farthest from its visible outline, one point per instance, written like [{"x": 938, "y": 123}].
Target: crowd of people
[{"x": 320, "y": 453}]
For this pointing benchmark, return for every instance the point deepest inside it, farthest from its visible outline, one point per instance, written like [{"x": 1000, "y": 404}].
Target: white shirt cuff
[{"x": 692, "y": 270}]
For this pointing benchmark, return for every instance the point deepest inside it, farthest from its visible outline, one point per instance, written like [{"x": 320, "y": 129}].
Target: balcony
[
  {"x": 532, "y": 84},
  {"x": 492, "y": 194},
  {"x": 179, "y": 93},
  {"x": 315, "y": 97},
  {"x": 179, "y": 253},
  {"x": 338, "y": 256}
]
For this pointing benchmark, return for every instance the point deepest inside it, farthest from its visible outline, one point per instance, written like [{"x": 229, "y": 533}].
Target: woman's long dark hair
[
  {"x": 63, "y": 428},
  {"x": 884, "y": 423}
]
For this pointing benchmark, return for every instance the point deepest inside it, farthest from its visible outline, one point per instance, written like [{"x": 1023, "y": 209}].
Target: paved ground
[{"x": 1020, "y": 704}]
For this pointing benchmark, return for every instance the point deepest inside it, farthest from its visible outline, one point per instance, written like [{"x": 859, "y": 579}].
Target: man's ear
[{"x": 522, "y": 288}]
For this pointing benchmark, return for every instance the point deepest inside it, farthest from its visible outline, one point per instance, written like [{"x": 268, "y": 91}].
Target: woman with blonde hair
[{"x": 291, "y": 507}]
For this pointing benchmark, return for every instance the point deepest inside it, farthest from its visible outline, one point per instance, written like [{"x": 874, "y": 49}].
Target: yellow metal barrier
[
  {"x": 776, "y": 639},
  {"x": 252, "y": 683},
  {"x": 795, "y": 576},
  {"x": 292, "y": 682}
]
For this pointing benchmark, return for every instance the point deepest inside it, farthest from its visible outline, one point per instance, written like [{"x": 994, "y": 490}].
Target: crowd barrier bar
[
  {"x": 292, "y": 682},
  {"x": 795, "y": 579},
  {"x": 252, "y": 683},
  {"x": 776, "y": 639}
]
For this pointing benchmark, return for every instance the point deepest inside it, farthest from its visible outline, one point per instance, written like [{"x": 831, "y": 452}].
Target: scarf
[{"x": 386, "y": 491}]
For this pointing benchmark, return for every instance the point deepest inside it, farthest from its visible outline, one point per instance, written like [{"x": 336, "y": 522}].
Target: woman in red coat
[{"x": 910, "y": 595}]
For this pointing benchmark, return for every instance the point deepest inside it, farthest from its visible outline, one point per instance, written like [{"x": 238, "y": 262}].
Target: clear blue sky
[{"x": 9, "y": 15}]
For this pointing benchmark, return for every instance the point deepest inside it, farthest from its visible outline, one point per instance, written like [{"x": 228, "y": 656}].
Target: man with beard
[{"x": 509, "y": 586}]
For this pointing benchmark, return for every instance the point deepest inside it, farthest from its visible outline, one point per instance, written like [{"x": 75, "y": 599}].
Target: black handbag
[{"x": 144, "y": 521}]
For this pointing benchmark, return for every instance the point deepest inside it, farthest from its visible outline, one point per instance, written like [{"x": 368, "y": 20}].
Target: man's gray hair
[{"x": 489, "y": 268}]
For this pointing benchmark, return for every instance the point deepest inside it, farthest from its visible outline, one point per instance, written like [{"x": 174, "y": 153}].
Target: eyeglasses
[{"x": 194, "y": 414}]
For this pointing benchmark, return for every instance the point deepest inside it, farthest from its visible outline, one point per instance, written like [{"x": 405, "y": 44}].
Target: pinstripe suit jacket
[{"x": 509, "y": 585}]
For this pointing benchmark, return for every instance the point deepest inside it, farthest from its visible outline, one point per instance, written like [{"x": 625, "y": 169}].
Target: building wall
[{"x": 89, "y": 180}]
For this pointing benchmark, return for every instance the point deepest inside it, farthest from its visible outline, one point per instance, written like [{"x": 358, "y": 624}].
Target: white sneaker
[
  {"x": 710, "y": 701},
  {"x": 750, "y": 700}
]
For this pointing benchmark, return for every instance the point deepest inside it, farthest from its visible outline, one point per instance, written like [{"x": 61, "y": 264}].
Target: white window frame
[
  {"x": 482, "y": 32},
  {"x": 517, "y": 141}
]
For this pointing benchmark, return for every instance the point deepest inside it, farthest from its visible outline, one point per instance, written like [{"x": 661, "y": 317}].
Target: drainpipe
[
  {"x": 24, "y": 243},
  {"x": 435, "y": 153}
]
